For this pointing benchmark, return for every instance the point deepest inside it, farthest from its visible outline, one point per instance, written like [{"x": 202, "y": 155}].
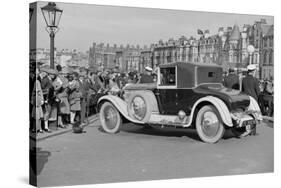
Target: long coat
[
  {"x": 250, "y": 86},
  {"x": 37, "y": 101},
  {"x": 232, "y": 81},
  {"x": 74, "y": 95},
  {"x": 145, "y": 78},
  {"x": 60, "y": 85}
]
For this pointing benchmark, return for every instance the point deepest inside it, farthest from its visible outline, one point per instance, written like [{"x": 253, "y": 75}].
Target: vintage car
[{"x": 186, "y": 95}]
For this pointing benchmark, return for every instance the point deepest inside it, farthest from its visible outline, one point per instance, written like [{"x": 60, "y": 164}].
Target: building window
[
  {"x": 168, "y": 76},
  {"x": 257, "y": 44},
  {"x": 265, "y": 43},
  {"x": 271, "y": 42},
  {"x": 264, "y": 58},
  {"x": 270, "y": 58}
]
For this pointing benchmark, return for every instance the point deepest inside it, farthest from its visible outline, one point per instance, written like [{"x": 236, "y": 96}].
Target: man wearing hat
[
  {"x": 250, "y": 84},
  {"x": 231, "y": 80},
  {"x": 46, "y": 85},
  {"x": 147, "y": 77},
  {"x": 74, "y": 95}
]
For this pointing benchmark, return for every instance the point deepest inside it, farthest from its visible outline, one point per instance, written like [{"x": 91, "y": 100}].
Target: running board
[{"x": 168, "y": 120}]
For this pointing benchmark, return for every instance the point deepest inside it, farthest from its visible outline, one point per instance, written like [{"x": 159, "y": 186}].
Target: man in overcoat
[
  {"x": 147, "y": 77},
  {"x": 250, "y": 86},
  {"x": 231, "y": 80}
]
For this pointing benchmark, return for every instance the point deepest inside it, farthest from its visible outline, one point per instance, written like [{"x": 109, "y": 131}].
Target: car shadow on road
[
  {"x": 158, "y": 131},
  {"x": 169, "y": 132}
]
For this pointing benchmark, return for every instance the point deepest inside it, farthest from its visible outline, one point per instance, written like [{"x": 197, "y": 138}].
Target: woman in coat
[
  {"x": 37, "y": 100},
  {"x": 74, "y": 95},
  {"x": 60, "y": 85}
]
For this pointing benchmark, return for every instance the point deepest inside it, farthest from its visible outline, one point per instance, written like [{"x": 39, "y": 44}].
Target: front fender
[
  {"x": 120, "y": 105},
  {"x": 219, "y": 104}
]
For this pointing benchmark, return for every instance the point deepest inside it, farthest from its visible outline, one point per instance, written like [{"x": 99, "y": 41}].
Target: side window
[
  {"x": 168, "y": 76},
  {"x": 211, "y": 74}
]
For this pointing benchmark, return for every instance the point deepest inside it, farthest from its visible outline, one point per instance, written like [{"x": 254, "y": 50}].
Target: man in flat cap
[
  {"x": 231, "y": 80},
  {"x": 146, "y": 77}
]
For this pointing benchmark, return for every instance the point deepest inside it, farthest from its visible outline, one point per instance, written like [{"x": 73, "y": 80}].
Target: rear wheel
[
  {"x": 209, "y": 125},
  {"x": 110, "y": 118}
]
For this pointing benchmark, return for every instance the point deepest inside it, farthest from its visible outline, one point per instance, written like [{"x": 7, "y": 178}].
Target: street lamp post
[
  {"x": 52, "y": 15},
  {"x": 251, "y": 50}
]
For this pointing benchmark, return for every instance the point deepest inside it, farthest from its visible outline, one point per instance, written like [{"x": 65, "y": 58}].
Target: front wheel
[
  {"x": 110, "y": 118},
  {"x": 209, "y": 125}
]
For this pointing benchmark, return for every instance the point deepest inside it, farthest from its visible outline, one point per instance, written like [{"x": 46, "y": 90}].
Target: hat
[
  {"x": 75, "y": 74},
  {"x": 53, "y": 72},
  {"x": 49, "y": 71},
  {"x": 43, "y": 69},
  {"x": 148, "y": 69},
  {"x": 231, "y": 70},
  {"x": 83, "y": 69},
  {"x": 91, "y": 69},
  {"x": 251, "y": 67}
]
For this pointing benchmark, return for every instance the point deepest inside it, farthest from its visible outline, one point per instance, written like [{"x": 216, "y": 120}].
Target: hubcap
[
  {"x": 110, "y": 117},
  {"x": 210, "y": 124}
]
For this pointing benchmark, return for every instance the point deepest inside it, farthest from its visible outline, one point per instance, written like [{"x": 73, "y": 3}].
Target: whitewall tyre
[
  {"x": 209, "y": 125},
  {"x": 110, "y": 118}
]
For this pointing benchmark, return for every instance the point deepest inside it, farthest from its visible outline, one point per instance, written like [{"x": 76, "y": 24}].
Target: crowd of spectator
[{"x": 68, "y": 99}]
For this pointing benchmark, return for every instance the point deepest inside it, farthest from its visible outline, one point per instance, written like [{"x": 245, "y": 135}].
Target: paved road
[{"x": 148, "y": 154}]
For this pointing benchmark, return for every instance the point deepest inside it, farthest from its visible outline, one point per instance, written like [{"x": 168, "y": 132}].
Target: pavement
[
  {"x": 138, "y": 154},
  {"x": 42, "y": 136}
]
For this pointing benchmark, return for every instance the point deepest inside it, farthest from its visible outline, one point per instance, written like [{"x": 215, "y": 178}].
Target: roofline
[{"x": 190, "y": 63}]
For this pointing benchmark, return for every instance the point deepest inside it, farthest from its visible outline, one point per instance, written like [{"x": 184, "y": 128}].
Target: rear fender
[
  {"x": 119, "y": 104},
  {"x": 220, "y": 106}
]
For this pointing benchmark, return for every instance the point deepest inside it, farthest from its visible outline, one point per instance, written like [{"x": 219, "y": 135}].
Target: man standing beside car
[
  {"x": 231, "y": 80},
  {"x": 147, "y": 77},
  {"x": 250, "y": 85}
]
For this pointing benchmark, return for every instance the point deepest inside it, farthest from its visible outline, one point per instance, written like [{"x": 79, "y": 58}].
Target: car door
[{"x": 168, "y": 101}]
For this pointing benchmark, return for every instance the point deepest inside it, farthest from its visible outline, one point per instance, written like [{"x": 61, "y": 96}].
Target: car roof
[{"x": 190, "y": 74}]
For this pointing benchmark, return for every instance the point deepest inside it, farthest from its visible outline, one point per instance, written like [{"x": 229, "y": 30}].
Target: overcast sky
[{"x": 83, "y": 24}]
